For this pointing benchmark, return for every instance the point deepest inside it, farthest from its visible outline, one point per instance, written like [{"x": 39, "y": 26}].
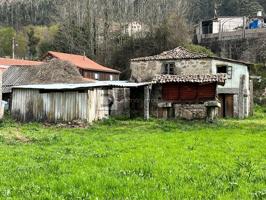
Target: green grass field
[{"x": 120, "y": 159}]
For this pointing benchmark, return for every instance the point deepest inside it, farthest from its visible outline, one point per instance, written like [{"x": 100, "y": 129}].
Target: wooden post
[
  {"x": 147, "y": 102},
  {"x": 251, "y": 89},
  {"x": 241, "y": 105}
]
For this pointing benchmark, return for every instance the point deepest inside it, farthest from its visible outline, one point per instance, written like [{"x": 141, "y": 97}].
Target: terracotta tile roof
[
  {"x": 82, "y": 62},
  {"x": 180, "y": 53},
  {"x": 17, "y": 62},
  {"x": 219, "y": 78}
]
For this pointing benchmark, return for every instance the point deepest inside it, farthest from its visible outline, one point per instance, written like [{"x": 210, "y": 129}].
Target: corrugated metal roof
[{"x": 64, "y": 86}]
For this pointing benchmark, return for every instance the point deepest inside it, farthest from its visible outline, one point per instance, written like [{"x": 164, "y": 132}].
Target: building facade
[
  {"x": 235, "y": 95},
  {"x": 87, "y": 67}
]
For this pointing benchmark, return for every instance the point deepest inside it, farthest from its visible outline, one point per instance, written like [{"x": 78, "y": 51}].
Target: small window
[
  {"x": 225, "y": 70},
  {"x": 111, "y": 77},
  {"x": 96, "y": 76},
  {"x": 169, "y": 68}
]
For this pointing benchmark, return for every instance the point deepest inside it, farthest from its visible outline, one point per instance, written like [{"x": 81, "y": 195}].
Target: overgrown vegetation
[{"x": 119, "y": 159}]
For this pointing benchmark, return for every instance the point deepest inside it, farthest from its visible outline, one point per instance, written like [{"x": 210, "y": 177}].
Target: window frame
[
  {"x": 229, "y": 70},
  {"x": 169, "y": 68},
  {"x": 96, "y": 76},
  {"x": 111, "y": 77}
]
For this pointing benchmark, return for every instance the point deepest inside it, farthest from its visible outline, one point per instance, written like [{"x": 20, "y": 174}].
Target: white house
[
  {"x": 132, "y": 28},
  {"x": 221, "y": 24}
]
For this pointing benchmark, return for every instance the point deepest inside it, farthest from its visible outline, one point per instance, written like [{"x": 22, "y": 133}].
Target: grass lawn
[{"x": 120, "y": 159}]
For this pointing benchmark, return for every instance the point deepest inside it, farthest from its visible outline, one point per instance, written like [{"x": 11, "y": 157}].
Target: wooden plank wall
[
  {"x": 97, "y": 105},
  {"x": 31, "y": 105}
]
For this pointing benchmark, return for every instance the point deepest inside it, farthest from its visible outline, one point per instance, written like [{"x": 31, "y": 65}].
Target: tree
[
  {"x": 33, "y": 41},
  {"x": 6, "y": 37}
]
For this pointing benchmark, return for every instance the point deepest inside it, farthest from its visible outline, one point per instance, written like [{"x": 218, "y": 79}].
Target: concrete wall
[
  {"x": 228, "y": 24},
  {"x": 237, "y": 71},
  {"x": 236, "y": 86}
]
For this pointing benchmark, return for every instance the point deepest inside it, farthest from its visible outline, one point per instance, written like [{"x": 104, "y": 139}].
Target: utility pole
[
  {"x": 215, "y": 9},
  {"x": 13, "y": 47}
]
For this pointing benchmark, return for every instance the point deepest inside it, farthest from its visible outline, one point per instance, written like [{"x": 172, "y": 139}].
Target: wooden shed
[
  {"x": 60, "y": 102},
  {"x": 86, "y": 102}
]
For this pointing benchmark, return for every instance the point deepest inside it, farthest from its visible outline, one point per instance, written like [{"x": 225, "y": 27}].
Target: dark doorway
[
  {"x": 227, "y": 105},
  {"x": 137, "y": 102}
]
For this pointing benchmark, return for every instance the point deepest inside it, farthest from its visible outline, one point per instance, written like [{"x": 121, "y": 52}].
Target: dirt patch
[
  {"x": 15, "y": 136},
  {"x": 22, "y": 138},
  {"x": 73, "y": 124}
]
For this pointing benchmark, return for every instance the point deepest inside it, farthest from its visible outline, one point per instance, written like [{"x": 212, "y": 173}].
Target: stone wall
[
  {"x": 121, "y": 102},
  {"x": 145, "y": 70},
  {"x": 193, "y": 66},
  {"x": 190, "y": 111},
  {"x": 165, "y": 110}
]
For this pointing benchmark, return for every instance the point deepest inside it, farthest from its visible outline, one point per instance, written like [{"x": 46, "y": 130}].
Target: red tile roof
[
  {"x": 82, "y": 62},
  {"x": 17, "y": 62}
]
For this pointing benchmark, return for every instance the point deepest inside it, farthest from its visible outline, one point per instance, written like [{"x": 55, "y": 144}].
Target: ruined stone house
[{"x": 235, "y": 95}]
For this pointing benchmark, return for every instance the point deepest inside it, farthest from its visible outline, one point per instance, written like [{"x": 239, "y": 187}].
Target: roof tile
[
  {"x": 82, "y": 62},
  {"x": 17, "y": 62},
  {"x": 208, "y": 78}
]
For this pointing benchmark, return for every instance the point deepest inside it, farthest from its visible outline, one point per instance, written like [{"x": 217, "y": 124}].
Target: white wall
[
  {"x": 232, "y": 86},
  {"x": 227, "y": 24},
  {"x": 237, "y": 71}
]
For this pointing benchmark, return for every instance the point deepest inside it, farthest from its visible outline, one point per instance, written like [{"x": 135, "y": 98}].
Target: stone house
[{"x": 235, "y": 96}]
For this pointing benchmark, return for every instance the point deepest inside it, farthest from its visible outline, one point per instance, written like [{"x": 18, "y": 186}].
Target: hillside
[{"x": 97, "y": 28}]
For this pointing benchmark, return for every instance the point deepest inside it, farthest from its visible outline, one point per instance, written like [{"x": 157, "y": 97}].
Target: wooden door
[
  {"x": 227, "y": 105},
  {"x": 221, "y": 110}
]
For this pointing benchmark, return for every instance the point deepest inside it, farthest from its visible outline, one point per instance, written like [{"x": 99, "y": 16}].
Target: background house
[
  {"x": 235, "y": 96},
  {"x": 87, "y": 67},
  {"x": 132, "y": 28},
  {"x": 51, "y": 72},
  {"x": 221, "y": 24},
  {"x": 5, "y": 63}
]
